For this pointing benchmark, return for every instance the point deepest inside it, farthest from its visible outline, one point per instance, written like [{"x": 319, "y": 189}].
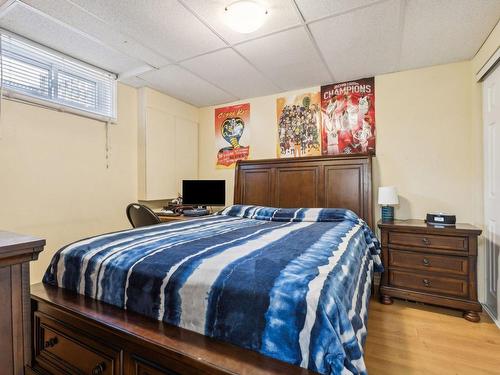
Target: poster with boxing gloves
[
  {"x": 232, "y": 134},
  {"x": 348, "y": 117}
]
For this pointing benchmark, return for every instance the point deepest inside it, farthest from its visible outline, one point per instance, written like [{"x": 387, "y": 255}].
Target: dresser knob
[
  {"x": 426, "y": 241},
  {"x": 99, "y": 369},
  {"x": 426, "y": 262},
  {"x": 50, "y": 343},
  {"x": 426, "y": 282}
]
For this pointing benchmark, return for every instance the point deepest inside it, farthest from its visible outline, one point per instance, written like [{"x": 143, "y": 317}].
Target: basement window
[{"x": 36, "y": 74}]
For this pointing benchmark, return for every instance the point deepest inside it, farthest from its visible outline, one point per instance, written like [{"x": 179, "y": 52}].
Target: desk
[{"x": 168, "y": 219}]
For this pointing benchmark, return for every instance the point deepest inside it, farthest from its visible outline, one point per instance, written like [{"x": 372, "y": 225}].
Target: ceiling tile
[
  {"x": 163, "y": 25},
  {"x": 232, "y": 73},
  {"x": 82, "y": 20},
  {"x": 321, "y": 8},
  {"x": 353, "y": 51},
  {"x": 133, "y": 81},
  {"x": 289, "y": 58},
  {"x": 179, "y": 83},
  {"x": 37, "y": 27},
  {"x": 434, "y": 35},
  {"x": 281, "y": 15}
]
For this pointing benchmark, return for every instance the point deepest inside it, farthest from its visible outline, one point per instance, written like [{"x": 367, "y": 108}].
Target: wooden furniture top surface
[
  {"x": 340, "y": 181},
  {"x": 148, "y": 331},
  {"x": 419, "y": 225},
  {"x": 308, "y": 159},
  {"x": 18, "y": 244},
  {"x": 165, "y": 218}
]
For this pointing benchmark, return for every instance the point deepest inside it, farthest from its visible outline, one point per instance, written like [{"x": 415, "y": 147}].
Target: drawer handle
[
  {"x": 99, "y": 369},
  {"x": 427, "y": 283},
  {"x": 426, "y": 241},
  {"x": 50, "y": 343},
  {"x": 426, "y": 262}
]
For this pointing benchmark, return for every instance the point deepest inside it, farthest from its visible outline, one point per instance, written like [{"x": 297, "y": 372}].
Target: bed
[{"x": 281, "y": 290}]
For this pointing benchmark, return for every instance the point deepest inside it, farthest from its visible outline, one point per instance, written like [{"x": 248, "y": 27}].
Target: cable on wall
[{"x": 107, "y": 146}]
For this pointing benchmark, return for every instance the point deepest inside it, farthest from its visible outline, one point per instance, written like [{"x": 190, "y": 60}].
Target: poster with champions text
[
  {"x": 232, "y": 134},
  {"x": 348, "y": 117}
]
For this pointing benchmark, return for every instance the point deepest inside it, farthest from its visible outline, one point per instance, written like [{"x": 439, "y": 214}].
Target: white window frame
[{"x": 56, "y": 104}]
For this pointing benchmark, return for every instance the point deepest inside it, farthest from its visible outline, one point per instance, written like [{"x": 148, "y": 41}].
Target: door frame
[{"x": 489, "y": 67}]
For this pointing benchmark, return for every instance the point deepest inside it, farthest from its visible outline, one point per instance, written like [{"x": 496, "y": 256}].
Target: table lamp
[{"x": 387, "y": 198}]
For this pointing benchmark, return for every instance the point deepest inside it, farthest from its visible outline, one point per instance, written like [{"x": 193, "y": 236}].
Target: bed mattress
[{"x": 292, "y": 284}]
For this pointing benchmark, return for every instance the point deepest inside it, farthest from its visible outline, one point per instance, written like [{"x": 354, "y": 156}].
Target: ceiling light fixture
[{"x": 245, "y": 16}]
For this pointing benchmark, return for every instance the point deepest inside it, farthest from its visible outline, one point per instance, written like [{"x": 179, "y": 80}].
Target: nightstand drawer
[
  {"x": 429, "y": 262},
  {"x": 429, "y": 241},
  {"x": 429, "y": 283}
]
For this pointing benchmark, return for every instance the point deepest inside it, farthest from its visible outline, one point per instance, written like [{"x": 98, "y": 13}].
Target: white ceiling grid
[{"x": 184, "y": 49}]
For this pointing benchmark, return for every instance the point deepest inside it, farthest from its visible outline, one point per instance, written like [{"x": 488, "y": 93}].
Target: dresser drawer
[
  {"x": 146, "y": 369},
  {"x": 64, "y": 351},
  {"x": 429, "y": 283},
  {"x": 429, "y": 262},
  {"x": 429, "y": 241}
]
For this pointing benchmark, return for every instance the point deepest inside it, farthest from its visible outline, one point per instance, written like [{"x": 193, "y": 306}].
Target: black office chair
[{"x": 140, "y": 215}]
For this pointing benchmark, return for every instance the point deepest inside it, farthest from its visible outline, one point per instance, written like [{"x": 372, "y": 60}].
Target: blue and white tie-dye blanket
[{"x": 292, "y": 284}]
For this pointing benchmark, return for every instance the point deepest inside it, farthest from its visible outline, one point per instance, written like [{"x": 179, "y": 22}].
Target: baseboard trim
[{"x": 490, "y": 314}]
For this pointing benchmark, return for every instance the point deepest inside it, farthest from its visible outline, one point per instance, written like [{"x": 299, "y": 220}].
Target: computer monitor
[{"x": 204, "y": 192}]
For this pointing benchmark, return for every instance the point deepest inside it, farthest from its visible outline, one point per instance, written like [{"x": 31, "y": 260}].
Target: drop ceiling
[{"x": 184, "y": 49}]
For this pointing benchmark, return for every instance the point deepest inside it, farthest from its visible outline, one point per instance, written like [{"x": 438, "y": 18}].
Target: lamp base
[{"x": 387, "y": 213}]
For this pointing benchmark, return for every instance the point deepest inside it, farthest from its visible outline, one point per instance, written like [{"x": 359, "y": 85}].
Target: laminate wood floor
[{"x": 407, "y": 338}]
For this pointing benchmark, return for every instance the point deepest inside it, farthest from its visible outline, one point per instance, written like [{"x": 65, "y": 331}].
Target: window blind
[{"x": 31, "y": 71}]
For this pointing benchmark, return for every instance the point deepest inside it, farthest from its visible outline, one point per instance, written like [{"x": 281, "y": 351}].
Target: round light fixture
[{"x": 245, "y": 16}]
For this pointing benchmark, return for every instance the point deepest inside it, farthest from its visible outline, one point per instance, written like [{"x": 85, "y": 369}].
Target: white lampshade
[{"x": 387, "y": 195}]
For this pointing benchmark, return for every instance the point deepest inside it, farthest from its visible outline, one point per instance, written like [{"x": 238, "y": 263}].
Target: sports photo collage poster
[
  {"x": 299, "y": 125},
  {"x": 338, "y": 120}
]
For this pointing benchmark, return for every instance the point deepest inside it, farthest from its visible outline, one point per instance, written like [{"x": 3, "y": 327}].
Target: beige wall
[
  {"x": 263, "y": 135},
  {"x": 149, "y": 99},
  {"x": 54, "y": 181},
  {"x": 425, "y": 140}
]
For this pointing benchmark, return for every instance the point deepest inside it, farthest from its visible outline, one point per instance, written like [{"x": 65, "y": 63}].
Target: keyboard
[
  {"x": 166, "y": 213},
  {"x": 196, "y": 212}
]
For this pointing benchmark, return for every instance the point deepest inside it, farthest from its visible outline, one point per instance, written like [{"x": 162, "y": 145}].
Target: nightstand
[{"x": 429, "y": 264}]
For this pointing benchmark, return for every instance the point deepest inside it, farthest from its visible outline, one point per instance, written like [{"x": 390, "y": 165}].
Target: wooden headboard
[{"x": 340, "y": 181}]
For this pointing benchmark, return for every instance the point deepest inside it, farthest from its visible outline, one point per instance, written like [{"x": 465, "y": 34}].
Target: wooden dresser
[
  {"x": 432, "y": 265},
  {"x": 16, "y": 251}
]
